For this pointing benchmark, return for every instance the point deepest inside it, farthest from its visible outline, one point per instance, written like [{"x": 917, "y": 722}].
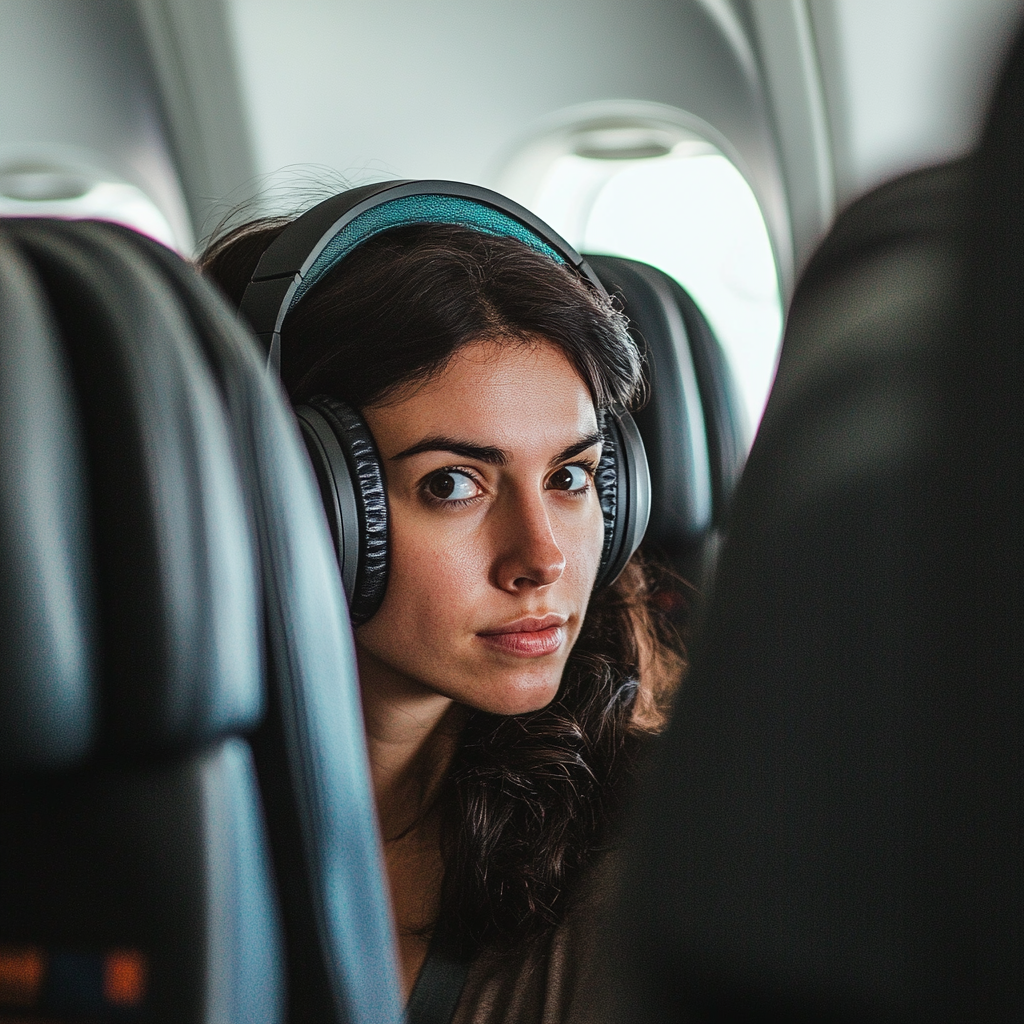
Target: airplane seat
[
  {"x": 693, "y": 425},
  {"x": 164, "y": 824},
  {"x": 134, "y": 874},
  {"x": 310, "y": 750},
  {"x": 831, "y": 829}
]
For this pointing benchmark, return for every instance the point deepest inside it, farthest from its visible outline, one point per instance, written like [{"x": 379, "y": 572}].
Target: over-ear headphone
[{"x": 341, "y": 447}]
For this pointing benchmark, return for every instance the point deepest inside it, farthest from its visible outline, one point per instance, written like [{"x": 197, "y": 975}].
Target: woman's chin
[{"x": 510, "y": 697}]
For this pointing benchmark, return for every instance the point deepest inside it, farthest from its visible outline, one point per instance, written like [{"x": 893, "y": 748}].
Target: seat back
[
  {"x": 832, "y": 828},
  {"x": 693, "y": 423},
  {"x": 134, "y": 873},
  {"x": 200, "y": 629},
  {"x": 310, "y": 750}
]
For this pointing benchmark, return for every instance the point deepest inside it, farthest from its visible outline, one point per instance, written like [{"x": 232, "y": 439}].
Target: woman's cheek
[
  {"x": 584, "y": 542},
  {"x": 433, "y": 565}
]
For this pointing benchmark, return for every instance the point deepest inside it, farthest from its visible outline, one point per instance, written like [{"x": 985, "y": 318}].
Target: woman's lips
[{"x": 527, "y": 638}]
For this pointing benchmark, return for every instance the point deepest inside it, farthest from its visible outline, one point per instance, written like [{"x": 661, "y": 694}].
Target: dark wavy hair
[{"x": 526, "y": 799}]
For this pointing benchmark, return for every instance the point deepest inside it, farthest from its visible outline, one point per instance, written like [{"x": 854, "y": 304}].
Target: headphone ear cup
[
  {"x": 351, "y": 479},
  {"x": 623, "y": 484},
  {"x": 606, "y": 484},
  {"x": 336, "y": 491}
]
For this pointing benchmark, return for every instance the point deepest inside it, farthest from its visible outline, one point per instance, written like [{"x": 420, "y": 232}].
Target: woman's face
[{"x": 496, "y": 531}]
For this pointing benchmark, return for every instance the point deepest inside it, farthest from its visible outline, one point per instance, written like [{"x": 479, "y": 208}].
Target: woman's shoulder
[{"x": 556, "y": 979}]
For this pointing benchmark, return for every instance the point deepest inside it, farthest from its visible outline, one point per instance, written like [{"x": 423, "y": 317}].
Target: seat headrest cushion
[
  {"x": 181, "y": 638},
  {"x": 47, "y": 614}
]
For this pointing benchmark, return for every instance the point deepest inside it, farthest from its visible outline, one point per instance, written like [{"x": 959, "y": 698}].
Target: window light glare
[
  {"x": 65, "y": 196},
  {"x": 692, "y": 215}
]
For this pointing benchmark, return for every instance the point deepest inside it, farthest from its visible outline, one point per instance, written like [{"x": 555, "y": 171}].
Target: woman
[{"x": 503, "y": 701}]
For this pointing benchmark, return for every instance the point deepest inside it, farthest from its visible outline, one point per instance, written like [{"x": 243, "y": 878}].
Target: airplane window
[
  {"x": 674, "y": 201},
  {"x": 42, "y": 191}
]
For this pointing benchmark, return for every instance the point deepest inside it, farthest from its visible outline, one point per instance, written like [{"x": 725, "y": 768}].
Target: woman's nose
[{"x": 528, "y": 553}]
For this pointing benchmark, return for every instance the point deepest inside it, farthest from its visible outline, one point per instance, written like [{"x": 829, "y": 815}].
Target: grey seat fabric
[
  {"x": 134, "y": 873},
  {"x": 693, "y": 424},
  {"x": 832, "y": 827},
  {"x": 310, "y": 750},
  {"x": 199, "y": 634}
]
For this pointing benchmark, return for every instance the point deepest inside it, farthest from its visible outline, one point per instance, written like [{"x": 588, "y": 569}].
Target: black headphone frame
[{"x": 623, "y": 478}]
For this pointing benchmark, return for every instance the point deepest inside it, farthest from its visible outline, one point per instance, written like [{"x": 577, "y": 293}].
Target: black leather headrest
[
  {"x": 134, "y": 512},
  {"x": 154, "y": 461},
  {"x": 48, "y": 700},
  {"x": 833, "y": 825},
  {"x": 692, "y": 425},
  {"x": 310, "y": 751}
]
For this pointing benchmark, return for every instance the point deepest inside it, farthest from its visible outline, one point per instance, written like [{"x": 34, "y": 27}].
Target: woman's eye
[
  {"x": 569, "y": 478},
  {"x": 452, "y": 485}
]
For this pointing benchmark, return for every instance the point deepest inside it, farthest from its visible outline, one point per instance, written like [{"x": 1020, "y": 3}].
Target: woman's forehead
[{"x": 504, "y": 393}]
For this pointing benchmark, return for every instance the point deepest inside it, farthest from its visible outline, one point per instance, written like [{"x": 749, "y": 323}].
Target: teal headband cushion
[{"x": 422, "y": 209}]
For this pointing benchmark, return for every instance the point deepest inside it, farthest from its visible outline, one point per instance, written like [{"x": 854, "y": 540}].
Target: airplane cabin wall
[
  {"x": 77, "y": 95},
  {"x": 907, "y": 82},
  {"x": 197, "y": 104},
  {"x": 449, "y": 90}
]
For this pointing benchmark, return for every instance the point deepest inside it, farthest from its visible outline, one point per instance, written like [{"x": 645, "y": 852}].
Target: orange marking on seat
[
  {"x": 124, "y": 978},
  {"x": 21, "y": 974}
]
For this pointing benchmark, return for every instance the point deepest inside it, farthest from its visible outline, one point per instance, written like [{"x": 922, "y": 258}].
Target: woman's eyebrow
[
  {"x": 486, "y": 453},
  {"x": 577, "y": 447},
  {"x": 481, "y": 453}
]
